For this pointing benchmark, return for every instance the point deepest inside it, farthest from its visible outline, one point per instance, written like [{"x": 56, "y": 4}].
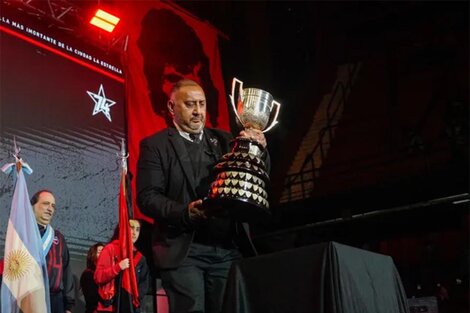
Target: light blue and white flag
[{"x": 25, "y": 284}]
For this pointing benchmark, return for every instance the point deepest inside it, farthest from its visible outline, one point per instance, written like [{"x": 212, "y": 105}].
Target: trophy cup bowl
[
  {"x": 254, "y": 109},
  {"x": 239, "y": 189}
]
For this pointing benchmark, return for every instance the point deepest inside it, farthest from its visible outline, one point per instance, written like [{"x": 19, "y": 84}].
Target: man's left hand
[{"x": 254, "y": 134}]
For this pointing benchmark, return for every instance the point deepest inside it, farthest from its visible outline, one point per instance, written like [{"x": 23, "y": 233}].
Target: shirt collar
[
  {"x": 186, "y": 136},
  {"x": 42, "y": 229}
]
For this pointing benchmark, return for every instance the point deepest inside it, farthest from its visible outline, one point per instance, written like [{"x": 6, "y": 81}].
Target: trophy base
[{"x": 241, "y": 210}]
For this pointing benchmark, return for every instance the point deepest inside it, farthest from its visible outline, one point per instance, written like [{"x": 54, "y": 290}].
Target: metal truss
[{"x": 70, "y": 17}]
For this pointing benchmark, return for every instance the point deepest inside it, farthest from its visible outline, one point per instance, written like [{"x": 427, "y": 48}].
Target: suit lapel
[
  {"x": 214, "y": 145},
  {"x": 183, "y": 157}
]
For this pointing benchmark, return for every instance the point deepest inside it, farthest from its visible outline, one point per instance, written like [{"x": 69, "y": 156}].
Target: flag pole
[
  {"x": 122, "y": 155},
  {"x": 128, "y": 278}
]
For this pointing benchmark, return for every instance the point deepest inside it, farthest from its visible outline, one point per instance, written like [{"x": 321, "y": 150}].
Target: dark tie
[{"x": 196, "y": 138}]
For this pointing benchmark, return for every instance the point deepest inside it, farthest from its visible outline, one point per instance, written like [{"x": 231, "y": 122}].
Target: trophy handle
[
  {"x": 274, "y": 122},
  {"x": 232, "y": 96}
]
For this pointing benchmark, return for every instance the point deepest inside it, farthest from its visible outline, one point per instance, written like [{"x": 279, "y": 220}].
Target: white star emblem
[{"x": 102, "y": 104}]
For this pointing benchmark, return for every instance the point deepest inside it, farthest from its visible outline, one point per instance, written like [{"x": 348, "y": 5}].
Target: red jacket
[{"x": 107, "y": 269}]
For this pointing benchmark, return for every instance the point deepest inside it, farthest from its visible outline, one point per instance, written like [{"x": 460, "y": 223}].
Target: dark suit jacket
[{"x": 165, "y": 187}]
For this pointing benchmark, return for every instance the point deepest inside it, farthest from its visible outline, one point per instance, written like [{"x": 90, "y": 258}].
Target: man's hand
[
  {"x": 254, "y": 134},
  {"x": 196, "y": 212},
  {"x": 68, "y": 311}
]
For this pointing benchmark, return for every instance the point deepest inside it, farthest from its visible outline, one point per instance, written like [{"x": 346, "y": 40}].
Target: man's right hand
[{"x": 196, "y": 212}]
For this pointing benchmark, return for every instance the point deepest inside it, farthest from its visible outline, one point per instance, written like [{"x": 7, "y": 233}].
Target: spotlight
[{"x": 104, "y": 20}]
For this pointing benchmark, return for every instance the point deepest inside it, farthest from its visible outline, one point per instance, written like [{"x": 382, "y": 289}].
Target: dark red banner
[{"x": 164, "y": 45}]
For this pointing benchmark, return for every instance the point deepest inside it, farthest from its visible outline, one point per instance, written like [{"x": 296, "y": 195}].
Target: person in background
[
  {"x": 61, "y": 285},
  {"x": 108, "y": 269},
  {"x": 87, "y": 282}
]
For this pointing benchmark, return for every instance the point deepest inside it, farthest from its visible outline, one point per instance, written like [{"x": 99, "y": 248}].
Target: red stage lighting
[{"x": 104, "y": 20}]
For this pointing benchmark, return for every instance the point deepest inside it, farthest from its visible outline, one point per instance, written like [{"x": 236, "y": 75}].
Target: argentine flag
[{"x": 25, "y": 283}]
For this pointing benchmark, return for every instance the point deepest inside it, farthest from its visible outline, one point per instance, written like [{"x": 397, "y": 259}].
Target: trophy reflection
[{"x": 239, "y": 189}]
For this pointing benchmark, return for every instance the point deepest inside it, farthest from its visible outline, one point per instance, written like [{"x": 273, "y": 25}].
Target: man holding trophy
[{"x": 195, "y": 239}]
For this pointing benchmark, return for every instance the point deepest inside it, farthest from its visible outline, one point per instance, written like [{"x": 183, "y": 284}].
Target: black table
[{"x": 322, "y": 278}]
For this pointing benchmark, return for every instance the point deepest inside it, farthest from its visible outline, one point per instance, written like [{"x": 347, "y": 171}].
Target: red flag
[{"x": 129, "y": 281}]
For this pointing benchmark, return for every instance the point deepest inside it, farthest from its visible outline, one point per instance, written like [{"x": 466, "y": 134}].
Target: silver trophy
[
  {"x": 254, "y": 107},
  {"x": 239, "y": 189}
]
